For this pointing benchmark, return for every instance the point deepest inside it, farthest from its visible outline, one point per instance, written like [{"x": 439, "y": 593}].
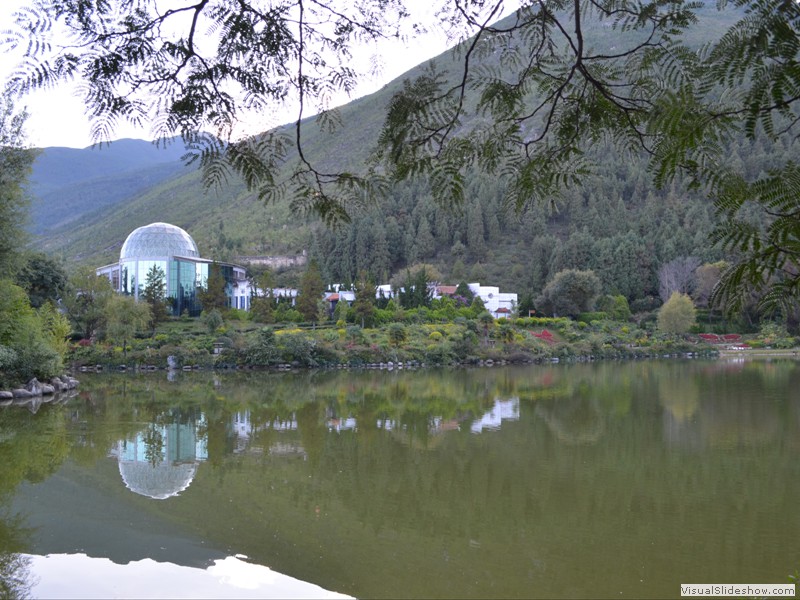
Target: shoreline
[
  {"x": 390, "y": 365},
  {"x": 761, "y": 353}
]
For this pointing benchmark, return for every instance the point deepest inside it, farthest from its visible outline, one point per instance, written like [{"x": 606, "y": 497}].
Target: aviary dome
[
  {"x": 159, "y": 482},
  {"x": 158, "y": 240}
]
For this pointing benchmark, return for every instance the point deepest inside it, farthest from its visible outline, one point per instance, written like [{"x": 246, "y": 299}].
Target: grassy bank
[{"x": 242, "y": 343}]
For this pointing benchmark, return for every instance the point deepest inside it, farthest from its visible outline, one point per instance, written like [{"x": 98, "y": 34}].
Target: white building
[{"x": 499, "y": 304}]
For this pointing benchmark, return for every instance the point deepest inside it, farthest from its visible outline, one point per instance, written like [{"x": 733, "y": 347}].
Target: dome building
[
  {"x": 173, "y": 251},
  {"x": 161, "y": 461}
]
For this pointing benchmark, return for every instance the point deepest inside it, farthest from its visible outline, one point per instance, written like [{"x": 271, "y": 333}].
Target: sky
[{"x": 57, "y": 116}]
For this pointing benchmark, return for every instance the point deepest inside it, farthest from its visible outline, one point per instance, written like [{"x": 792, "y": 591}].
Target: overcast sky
[{"x": 57, "y": 116}]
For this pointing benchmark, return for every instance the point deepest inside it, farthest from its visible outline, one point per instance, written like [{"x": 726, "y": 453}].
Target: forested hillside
[{"x": 616, "y": 223}]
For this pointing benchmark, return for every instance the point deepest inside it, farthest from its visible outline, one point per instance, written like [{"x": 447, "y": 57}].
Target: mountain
[
  {"x": 615, "y": 223},
  {"x": 224, "y": 222},
  {"x": 68, "y": 183}
]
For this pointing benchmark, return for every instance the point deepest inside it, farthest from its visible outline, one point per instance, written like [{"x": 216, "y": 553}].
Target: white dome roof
[
  {"x": 158, "y": 240},
  {"x": 161, "y": 481}
]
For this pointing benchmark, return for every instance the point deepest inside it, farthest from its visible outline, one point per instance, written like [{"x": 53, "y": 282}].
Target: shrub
[
  {"x": 299, "y": 347},
  {"x": 237, "y": 314},
  {"x": 355, "y": 334},
  {"x": 677, "y": 315},
  {"x": 397, "y": 334},
  {"x": 213, "y": 320},
  {"x": 439, "y": 354},
  {"x": 588, "y": 317},
  {"x": 616, "y": 307},
  {"x": 776, "y": 336},
  {"x": 504, "y": 333},
  {"x": 262, "y": 349}
]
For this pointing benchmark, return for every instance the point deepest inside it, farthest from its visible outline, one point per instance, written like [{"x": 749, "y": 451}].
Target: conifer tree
[
  {"x": 263, "y": 306},
  {"x": 213, "y": 295},
  {"x": 154, "y": 294},
  {"x": 310, "y": 292},
  {"x": 364, "y": 305}
]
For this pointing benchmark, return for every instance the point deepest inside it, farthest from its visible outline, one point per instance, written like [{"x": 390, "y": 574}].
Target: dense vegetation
[
  {"x": 618, "y": 225},
  {"x": 32, "y": 331},
  {"x": 416, "y": 336}
]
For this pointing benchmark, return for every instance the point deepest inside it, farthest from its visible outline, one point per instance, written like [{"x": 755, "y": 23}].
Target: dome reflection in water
[{"x": 162, "y": 460}]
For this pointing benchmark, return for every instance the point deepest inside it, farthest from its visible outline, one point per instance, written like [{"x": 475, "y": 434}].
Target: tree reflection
[
  {"x": 33, "y": 445},
  {"x": 575, "y": 420},
  {"x": 153, "y": 444},
  {"x": 679, "y": 395},
  {"x": 15, "y": 576}
]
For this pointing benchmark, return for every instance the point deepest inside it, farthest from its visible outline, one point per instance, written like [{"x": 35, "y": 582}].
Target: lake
[{"x": 598, "y": 480}]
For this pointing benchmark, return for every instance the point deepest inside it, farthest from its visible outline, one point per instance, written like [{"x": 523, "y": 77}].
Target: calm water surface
[{"x": 593, "y": 480}]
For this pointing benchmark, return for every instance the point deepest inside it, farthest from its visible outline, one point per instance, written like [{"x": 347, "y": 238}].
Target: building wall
[{"x": 182, "y": 278}]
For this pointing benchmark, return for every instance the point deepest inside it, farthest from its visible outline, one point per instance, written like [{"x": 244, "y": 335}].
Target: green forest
[{"x": 642, "y": 230}]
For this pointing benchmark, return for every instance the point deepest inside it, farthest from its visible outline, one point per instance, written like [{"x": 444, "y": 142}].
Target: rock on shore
[{"x": 35, "y": 389}]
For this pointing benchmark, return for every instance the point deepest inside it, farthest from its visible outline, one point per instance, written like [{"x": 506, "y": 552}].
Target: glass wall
[
  {"x": 227, "y": 273},
  {"x": 128, "y": 277},
  {"x": 202, "y": 275},
  {"x": 183, "y": 279},
  {"x": 134, "y": 274},
  {"x": 145, "y": 269}
]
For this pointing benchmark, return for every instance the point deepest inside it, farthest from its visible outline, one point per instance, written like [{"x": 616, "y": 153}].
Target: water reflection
[
  {"x": 575, "y": 420},
  {"x": 247, "y": 430},
  {"x": 434, "y": 425},
  {"x": 231, "y": 577},
  {"x": 725, "y": 405},
  {"x": 15, "y": 575},
  {"x": 503, "y": 410},
  {"x": 161, "y": 461},
  {"x": 473, "y": 483}
]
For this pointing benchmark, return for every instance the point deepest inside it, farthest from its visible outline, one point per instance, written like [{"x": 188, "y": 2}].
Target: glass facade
[
  {"x": 128, "y": 277},
  {"x": 134, "y": 275},
  {"x": 184, "y": 280},
  {"x": 156, "y": 240},
  {"x": 172, "y": 250}
]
